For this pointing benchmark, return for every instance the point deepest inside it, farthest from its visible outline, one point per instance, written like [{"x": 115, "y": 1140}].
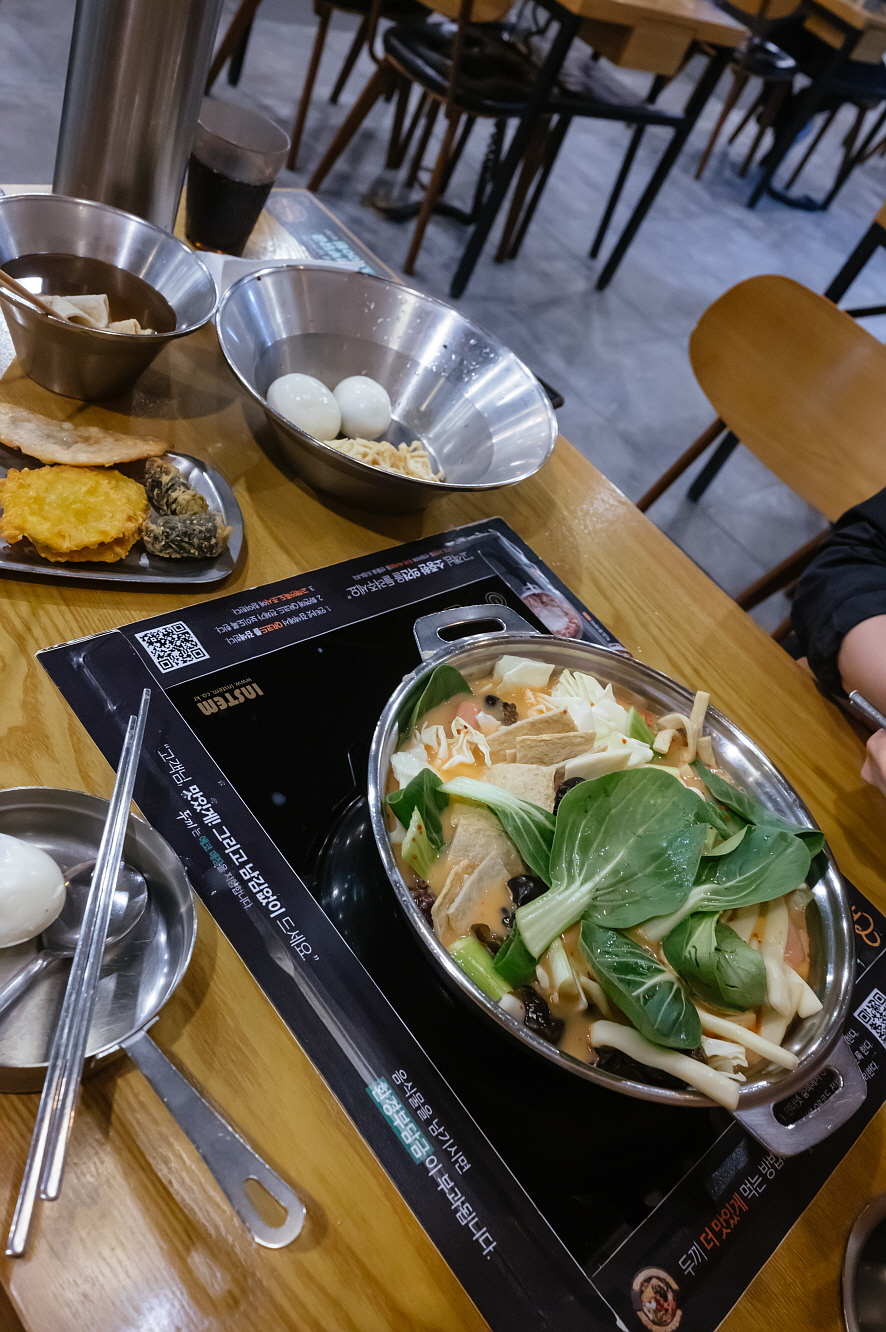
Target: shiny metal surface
[
  {"x": 480, "y": 413},
  {"x": 59, "y": 940},
  {"x": 139, "y": 566},
  {"x": 231, "y": 1160},
  {"x": 82, "y": 362},
  {"x": 832, "y": 948},
  {"x": 136, "y": 74},
  {"x": 864, "y": 1270},
  {"x": 142, "y": 971}
]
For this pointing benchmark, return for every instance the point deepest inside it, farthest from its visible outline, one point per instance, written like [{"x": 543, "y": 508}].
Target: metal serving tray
[{"x": 139, "y": 566}]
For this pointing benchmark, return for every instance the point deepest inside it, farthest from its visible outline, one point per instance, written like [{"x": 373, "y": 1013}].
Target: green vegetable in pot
[
  {"x": 476, "y": 962},
  {"x": 444, "y": 682},
  {"x": 636, "y": 728},
  {"x": 529, "y": 827},
  {"x": 626, "y": 847},
  {"x": 767, "y": 863},
  {"x": 716, "y": 963},
  {"x": 423, "y": 794},
  {"x": 513, "y": 961},
  {"x": 417, "y": 850},
  {"x": 649, "y": 995}
]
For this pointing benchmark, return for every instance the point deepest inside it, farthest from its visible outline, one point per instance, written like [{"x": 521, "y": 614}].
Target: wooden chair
[
  {"x": 233, "y": 47},
  {"x": 802, "y": 386},
  {"x": 874, "y": 239}
]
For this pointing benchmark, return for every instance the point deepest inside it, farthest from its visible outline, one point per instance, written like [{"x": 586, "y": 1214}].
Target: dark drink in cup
[{"x": 235, "y": 160}]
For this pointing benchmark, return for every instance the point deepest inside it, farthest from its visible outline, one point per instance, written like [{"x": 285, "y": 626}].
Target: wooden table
[{"x": 141, "y": 1238}]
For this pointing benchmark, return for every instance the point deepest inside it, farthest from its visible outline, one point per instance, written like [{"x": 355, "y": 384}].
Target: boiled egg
[
  {"x": 307, "y": 403},
  {"x": 32, "y": 890},
  {"x": 365, "y": 407}
]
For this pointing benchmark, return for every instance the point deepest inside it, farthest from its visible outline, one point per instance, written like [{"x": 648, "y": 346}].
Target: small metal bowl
[
  {"x": 82, "y": 362},
  {"x": 480, "y": 413}
]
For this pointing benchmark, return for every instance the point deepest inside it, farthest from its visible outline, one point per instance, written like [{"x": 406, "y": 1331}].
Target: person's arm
[
  {"x": 861, "y": 660},
  {"x": 843, "y": 591}
]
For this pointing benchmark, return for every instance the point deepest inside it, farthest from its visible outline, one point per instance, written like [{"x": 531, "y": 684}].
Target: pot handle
[
  {"x": 230, "y": 1160},
  {"x": 790, "y": 1139},
  {"x": 427, "y": 628}
]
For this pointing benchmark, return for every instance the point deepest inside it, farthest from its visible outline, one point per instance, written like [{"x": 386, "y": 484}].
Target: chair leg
[
  {"x": 532, "y": 162},
  {"x": 771, "y": 106},
  {"x": 756, "y": 105},
  {"x": 870, "y": 241},
  {"x": 785, "y": 573},
  {"x": 235, "y": 67},
  {"x": 740, "y": 79},
  {"x": 430, "y": 121},
  {"x": 555, "y": 142},
  {"x": 239, "y": 29},
  {"x": 382, "y": 80},
  {"x": 825, "y": 126},
  {"x": 324, "y": 11},
  {"x": 724, "y": 450},
  {"x": 617, "y": 188},
  {"x": 783, "y": 630},
  {"x": 667, "y": 479},
  {"x": 350, "y": 59},
  {"x": 398, "y": 144},
  {"x": 432, "y": 193}
]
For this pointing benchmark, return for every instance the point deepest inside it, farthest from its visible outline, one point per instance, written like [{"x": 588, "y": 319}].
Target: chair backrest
[{"x": 801, "y": 385}]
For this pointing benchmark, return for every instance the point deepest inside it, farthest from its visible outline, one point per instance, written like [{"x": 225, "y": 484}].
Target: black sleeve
[{"x": 844, "y": 584}]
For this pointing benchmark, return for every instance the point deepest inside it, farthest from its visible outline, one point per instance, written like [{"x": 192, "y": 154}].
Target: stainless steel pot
[{"x": 816, "y": 1040}]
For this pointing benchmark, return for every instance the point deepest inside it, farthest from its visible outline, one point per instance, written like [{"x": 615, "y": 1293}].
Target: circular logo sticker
[{"x": 654, "y": 1297}]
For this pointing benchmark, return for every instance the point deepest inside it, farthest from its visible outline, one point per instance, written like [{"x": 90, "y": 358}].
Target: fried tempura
[
  {"x": 78, "y": 446},
  {"x": 73, "y": 513}
]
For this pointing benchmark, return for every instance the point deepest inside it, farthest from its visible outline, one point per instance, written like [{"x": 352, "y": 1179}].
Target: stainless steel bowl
[
  {"x": 481, "y": 414},
  {"x": 81, "y": 362},
  {"x": 816, "y": 1040}
]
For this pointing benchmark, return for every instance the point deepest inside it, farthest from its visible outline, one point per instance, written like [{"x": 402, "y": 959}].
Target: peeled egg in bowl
[
  {"x": 365, "y": 407},
  {"x": 32, "y": 890},
  {"x": 307, "y": 403}
]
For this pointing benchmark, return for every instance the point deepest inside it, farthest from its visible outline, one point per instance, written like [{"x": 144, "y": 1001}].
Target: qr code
[
  {"x": 873, "y": 1014},
  {"x": 172, "y": 646}
]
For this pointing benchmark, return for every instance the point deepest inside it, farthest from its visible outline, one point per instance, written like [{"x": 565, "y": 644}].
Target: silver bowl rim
[
  {"x": 140, "y": 339},
  {"x": 435, "y": 487},
  {"x": 773, "y": 1089}
]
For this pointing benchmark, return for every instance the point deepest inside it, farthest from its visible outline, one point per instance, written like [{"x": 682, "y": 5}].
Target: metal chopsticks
[
  {"x": 45, "y": 1163},
  {"x": 859, "y": 705}
]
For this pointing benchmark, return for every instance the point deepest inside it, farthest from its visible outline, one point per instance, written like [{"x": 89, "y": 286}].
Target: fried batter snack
[
  {"x": 73, "y": 513},
  {"x": 78, "y": 446}
]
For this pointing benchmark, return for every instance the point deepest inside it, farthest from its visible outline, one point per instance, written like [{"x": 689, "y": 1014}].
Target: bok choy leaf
[
  {"x": 767, "y": 863},
  {"x": 649, "y": 995},
  {"x": 416, "y": 849},
  {"x": 529, "y": 827},
  {"x": 752, "y": 811},
  {"x": 444, "y": 682},
  {"x": 424, "y": 794},
  {"x": 716, "y": 963},
  {"x": 626, "y": 847}
]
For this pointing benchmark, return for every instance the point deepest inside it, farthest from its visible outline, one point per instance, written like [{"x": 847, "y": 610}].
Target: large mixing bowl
[
  {"x": 478, "y": 411},
  {"x": 82, "y": 362},
  {"x": 815, "y": 1040}
]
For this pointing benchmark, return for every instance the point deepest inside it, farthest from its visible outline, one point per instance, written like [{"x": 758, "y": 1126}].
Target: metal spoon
[{"x": 59, "y": 940}]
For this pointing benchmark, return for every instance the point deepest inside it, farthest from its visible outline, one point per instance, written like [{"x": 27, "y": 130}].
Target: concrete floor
[{"x": 619, "y": 357}]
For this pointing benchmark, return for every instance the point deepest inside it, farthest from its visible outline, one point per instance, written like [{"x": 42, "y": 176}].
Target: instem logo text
[{"x": 229, "y": 697}]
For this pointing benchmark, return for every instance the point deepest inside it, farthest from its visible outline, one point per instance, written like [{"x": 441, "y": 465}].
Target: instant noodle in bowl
[
  {"x": 594, "y": 872},
  {"x": 407, "y": 459}
]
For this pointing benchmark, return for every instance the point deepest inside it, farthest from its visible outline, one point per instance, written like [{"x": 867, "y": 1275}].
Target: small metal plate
[
  {"x": 139, "y": 566},
  {"x": 138, "y": 974}
]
